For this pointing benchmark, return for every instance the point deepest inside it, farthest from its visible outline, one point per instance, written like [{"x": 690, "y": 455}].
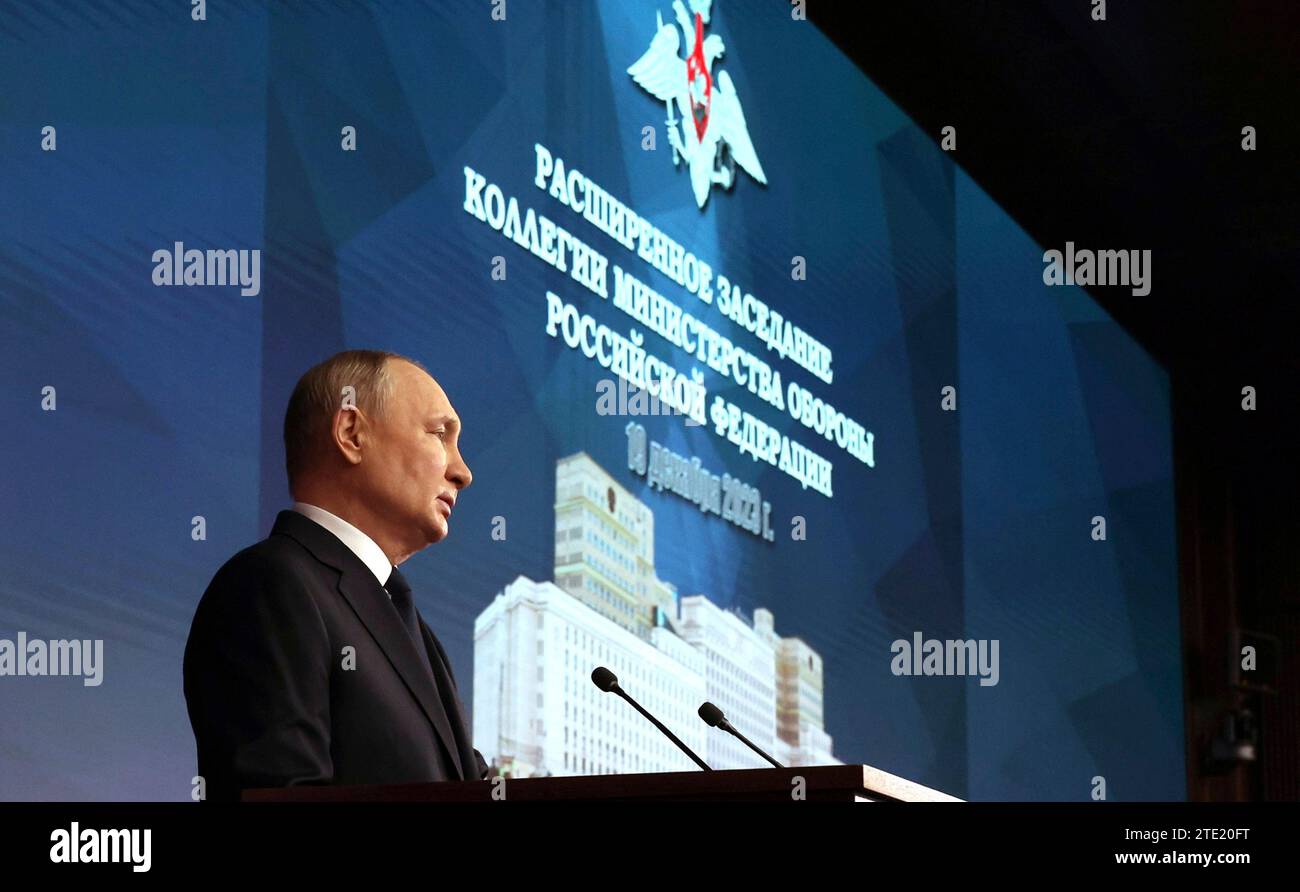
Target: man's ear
[{"x": 350, "y": 433}]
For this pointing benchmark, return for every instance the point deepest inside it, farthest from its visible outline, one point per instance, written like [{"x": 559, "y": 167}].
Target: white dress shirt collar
[{"x": 361, "y": 545}]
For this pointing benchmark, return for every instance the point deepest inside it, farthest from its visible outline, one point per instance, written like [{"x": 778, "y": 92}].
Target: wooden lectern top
[{"x": 820, "y": 783}]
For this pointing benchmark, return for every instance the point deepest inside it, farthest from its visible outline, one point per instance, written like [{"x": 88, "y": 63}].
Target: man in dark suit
[{"x": 307, "y": 662}]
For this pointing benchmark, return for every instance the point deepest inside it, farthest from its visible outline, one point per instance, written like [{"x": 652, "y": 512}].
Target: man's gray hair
[{"x": 322, "y": 390}]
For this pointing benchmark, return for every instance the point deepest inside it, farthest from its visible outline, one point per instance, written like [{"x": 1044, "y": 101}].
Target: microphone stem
[
  {"x": 745, "y": 740},
  {"x": 669, "y": 734}
]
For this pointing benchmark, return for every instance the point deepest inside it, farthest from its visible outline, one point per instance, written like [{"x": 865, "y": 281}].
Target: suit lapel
[
  {"x": 464, "y": 752},
  {"x": 371, "y": 604}
]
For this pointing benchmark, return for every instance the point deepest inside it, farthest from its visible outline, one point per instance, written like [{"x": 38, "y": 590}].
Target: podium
[{"x": 821, "y": 783}]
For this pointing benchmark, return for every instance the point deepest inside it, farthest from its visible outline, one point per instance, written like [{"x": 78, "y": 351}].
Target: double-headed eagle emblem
[{"x": 717, "y": 138}]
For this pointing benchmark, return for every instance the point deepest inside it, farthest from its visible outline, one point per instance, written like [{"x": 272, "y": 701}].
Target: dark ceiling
[{"x": 1126, "y": 134}]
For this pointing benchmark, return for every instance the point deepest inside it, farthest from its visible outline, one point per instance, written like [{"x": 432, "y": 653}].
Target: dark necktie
[{"x": 400, "y": 592}]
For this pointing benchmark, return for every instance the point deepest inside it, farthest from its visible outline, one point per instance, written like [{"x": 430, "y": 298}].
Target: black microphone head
[
  {"x": 712, "y": 715},
  {"x": 604, "y": 679}
]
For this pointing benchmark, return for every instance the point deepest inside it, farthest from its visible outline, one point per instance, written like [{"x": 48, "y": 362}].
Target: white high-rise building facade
[{"x": 605, "y": 547}]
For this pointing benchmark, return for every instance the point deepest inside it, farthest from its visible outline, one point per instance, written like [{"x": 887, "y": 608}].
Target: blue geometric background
[{"x": 225, "y": 134}]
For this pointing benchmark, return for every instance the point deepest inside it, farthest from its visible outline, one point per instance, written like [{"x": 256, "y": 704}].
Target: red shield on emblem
[{"x": 699, "y": 84}]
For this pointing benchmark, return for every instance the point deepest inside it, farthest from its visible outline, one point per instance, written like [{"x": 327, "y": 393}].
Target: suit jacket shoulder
[{"x": 298, "y": 670}]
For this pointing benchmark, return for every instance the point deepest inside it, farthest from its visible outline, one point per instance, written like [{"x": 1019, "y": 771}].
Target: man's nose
[{"x": 459, "y": 473}]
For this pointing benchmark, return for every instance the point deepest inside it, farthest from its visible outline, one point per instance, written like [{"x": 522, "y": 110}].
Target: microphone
[
  {"x": 608, "y": 682},
  {"x": 715, "y": 718}
]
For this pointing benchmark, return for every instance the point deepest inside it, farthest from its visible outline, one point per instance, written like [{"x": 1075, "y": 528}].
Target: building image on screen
[{"x": 537, "y": 711}]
